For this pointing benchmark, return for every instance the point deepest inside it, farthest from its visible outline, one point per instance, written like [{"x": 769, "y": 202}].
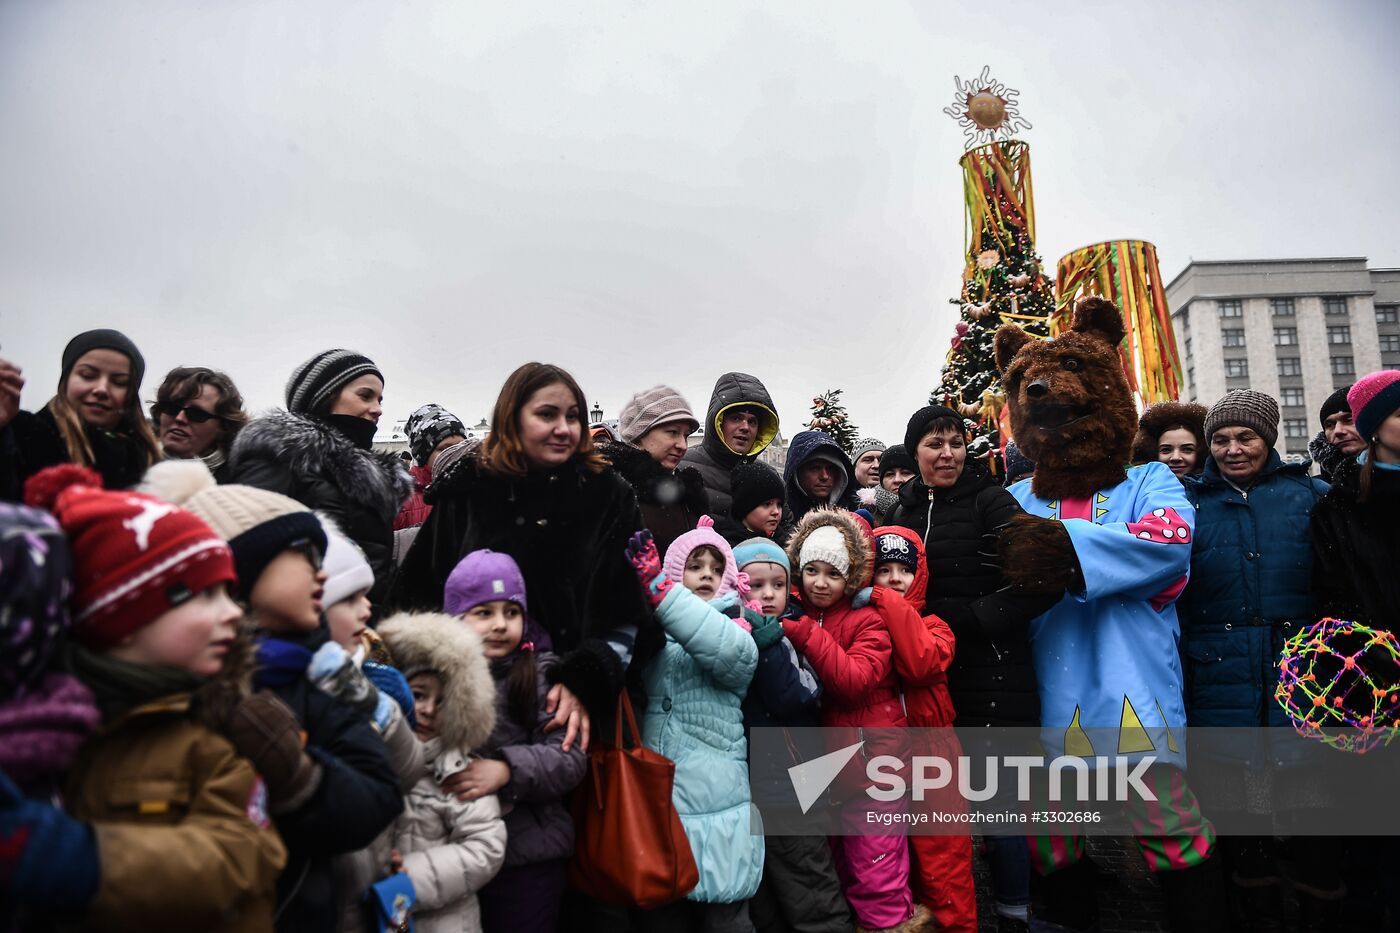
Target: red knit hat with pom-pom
[{"x": 134, "y": 556}]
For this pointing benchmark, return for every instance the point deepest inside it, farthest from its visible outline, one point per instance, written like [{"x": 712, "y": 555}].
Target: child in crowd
[
  {"x": 169, "y": 827},
  {"x": 449, "y": 848},
  {"x": 923, "y": 650},
  {"x": 850, "y": 650},
  {"x": 695, "y": 688},
  {"x": 796, "y": 892},
  {"x": 521, "y": 763},
  {"x": 897, "y": 467},
  {"x": 757, "y": 504},
  {"x": 348, "y": 611},
  {"x": 342, "y": 791}
]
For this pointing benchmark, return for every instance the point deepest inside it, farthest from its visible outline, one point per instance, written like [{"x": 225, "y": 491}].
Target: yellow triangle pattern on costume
[
  {"x": 1171, "y": 739},
  {"x": 1132, "y": 737},
  {"x": 1076, "y": 739},
  {"x": 1100, "y": 497},
  {"x": 1100, "y": 513}
]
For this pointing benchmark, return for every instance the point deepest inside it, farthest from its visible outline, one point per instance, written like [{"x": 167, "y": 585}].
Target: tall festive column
[
  {"x": 1002, "y": 280},
  {"x": 1126, "y": 273}
]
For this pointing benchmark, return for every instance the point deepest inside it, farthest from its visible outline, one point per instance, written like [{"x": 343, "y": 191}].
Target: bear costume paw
[{"x": 1037, "y": 556}]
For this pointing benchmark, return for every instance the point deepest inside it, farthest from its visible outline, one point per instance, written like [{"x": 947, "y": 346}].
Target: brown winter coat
[{"x": 181, "y": 823}]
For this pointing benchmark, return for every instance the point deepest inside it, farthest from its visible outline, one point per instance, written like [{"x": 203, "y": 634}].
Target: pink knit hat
[
  {"x": 704, "y": 533},
  {"x": 1372, "y": 400}
]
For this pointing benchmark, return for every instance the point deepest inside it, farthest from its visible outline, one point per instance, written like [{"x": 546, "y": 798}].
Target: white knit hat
[
  {"x": 347, "y": 570},
  {"x": 827, "y": 544}
]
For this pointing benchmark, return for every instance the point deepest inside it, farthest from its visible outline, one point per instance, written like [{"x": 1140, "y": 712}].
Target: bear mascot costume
[{"x": 1116, "y": 541}]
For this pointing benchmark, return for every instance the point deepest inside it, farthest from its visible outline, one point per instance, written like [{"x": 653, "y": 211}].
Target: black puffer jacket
[
  {"x": 319, "y": 467},
  {"x": 31, "y": 442},
  {"x": 992, "y": 678},
  {"x": 1356, "y": 548},
  {"x": 568, "y": 529},
  {"x": 671, "y": 501},
  {"x": 713, "y": 458}
]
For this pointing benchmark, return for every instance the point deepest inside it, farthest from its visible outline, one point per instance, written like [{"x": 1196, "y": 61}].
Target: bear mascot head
[{"x": 1072, "y": 413}]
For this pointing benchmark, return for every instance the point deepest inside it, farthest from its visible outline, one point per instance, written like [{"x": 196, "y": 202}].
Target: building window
[
  {"x": 1191, "y": 377},
  {"x": 1337, "y": 305},
  {"x": 1292, "y": 396},
  {"x": 1343, "y": 366},
  {"x": 1188, "y": 348},
  {"x": 1285, "y": 336},
  {"x": 1281, "y": 307},
  {"x": 1387, "y": 314},
  {"x": 1239, "y": 368},
  {"x": 1390, "y": 343},
  {"x": 1233, "y": 337},
  {"x": 1339, "y": 333},
  {"x": 1290, "y": 366},
  {"x": 1295, "y": 427},
  {"x": 1230, "y": 307}
]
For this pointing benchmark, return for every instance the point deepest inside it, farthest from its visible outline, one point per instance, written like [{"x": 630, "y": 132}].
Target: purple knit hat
[
  {"x": 36, "y": 582},
  {"x": 704, "y": 533},
  {"x": 480, "y": 577}
]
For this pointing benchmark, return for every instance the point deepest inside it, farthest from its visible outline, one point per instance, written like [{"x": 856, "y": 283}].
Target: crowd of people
[{"x": 257, "y": 675}]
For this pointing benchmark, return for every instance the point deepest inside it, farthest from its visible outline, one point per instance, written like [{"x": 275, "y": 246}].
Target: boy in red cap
[{"x": 169, "y": 825}]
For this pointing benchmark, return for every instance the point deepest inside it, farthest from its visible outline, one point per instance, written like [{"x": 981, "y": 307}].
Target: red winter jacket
[
  {"x": 923, "y": 647},
  {"x": 415, "y": 511}
]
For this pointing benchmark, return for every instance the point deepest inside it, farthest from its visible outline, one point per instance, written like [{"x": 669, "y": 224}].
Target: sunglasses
[{"x": 192, "y": 414}]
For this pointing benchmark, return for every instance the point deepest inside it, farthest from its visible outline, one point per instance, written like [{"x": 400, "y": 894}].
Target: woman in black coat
[
  {"x": 94, "y": 420},
  {"x": 319, "y": 452},
  {"x": 539, "y": 492},
  {"x": 957, "y": 507}
]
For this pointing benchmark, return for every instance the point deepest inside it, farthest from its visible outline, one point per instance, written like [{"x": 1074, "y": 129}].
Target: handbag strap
[{"x": 624, "y": 705}]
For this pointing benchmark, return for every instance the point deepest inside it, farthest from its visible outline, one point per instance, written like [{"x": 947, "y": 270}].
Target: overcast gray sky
[{"x": 640, "y": 192}]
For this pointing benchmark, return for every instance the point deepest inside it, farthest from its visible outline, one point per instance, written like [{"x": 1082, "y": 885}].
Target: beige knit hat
[
  {"x": 258, "y": 524},
  {"x": 1245, "y": 408},
  {"x": 657, "y": 405}
]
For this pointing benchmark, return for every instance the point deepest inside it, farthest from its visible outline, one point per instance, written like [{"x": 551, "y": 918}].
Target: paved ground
[{"x": 1129, "y": 899}]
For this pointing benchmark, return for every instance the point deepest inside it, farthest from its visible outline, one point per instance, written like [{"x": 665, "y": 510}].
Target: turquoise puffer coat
[
  {"x": 694, "y": 690},
  {"x": 1250, "y": 566}
]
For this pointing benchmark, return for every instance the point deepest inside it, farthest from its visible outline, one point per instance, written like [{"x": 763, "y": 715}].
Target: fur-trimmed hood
[
  {"x": 313, "y": 448},
  {"x": 447, "y": 645},
  {"x": 1164, "y": 416},
  {"x": 653, "y": 483},
  {"x": 857, "y": 544}
]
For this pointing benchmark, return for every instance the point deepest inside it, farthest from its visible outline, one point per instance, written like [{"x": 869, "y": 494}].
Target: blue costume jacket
[{"x": 1106, "y": 658}]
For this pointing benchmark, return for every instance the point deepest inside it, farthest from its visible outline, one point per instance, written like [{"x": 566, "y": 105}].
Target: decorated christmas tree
[
  {"x": 829, "y": 415},
  {"x": 1002, "y": 280}
]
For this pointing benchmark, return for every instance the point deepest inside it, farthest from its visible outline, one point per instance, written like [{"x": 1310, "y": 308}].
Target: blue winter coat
[
  {"x": 784, "y": 692},
  {"x": 1250, "y": 564},
  {"x": 695, "y": 687}
]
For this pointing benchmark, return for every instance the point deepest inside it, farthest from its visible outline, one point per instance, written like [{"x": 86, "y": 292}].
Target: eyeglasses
[
  {"x": 193, "y": 414},
  {"x": 307, "y": 547}
]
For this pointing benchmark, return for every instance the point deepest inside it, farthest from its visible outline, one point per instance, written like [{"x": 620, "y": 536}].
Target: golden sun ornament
[{"x": 985, "y": 109}]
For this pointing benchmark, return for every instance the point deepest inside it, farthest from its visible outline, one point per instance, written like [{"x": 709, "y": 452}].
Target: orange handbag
[{"x": 630, "y": 849}]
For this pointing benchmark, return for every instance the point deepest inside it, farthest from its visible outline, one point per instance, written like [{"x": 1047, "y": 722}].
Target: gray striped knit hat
[
  {"x": 1245, "y": 408},
  {"x": 321, "y": 377}
]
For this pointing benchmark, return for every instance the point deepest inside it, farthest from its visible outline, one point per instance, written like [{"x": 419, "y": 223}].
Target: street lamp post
[{"x": 597, "y": 413}]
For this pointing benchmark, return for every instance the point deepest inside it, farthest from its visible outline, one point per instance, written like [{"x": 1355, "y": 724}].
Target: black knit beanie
[
  {"x": 1336, "y": 402},
  {"x": 105, "y": 339},
  {"x": 919, "y": 424},
  {"x": 318, "y": 379},
  {"x": 897, "y": 456},
  {"x": 751, "y": 485}
]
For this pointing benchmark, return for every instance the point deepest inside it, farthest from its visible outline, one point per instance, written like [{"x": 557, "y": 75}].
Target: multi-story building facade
[{"x": 1296, "y": 329}]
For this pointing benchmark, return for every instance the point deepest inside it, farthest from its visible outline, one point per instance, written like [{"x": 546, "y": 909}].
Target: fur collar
[
  {"x": 446, "y": 644},
  {"x": 310, "y": 448},
  {"x": 653, "y": 483},
  {"x": 857, "y": 544}
]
